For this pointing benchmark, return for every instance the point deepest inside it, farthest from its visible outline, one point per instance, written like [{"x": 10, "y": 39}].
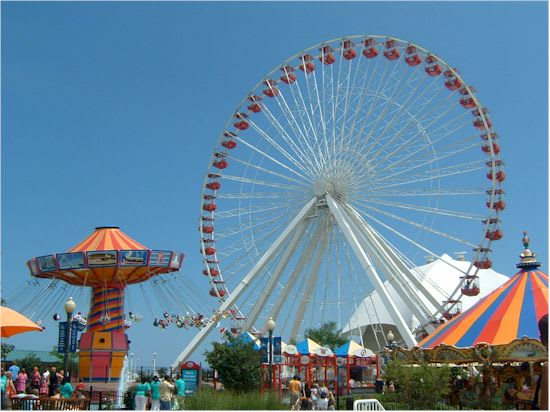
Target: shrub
[
  {"x": 209, "y": 399},
  {"x": 420, "y": 386}
]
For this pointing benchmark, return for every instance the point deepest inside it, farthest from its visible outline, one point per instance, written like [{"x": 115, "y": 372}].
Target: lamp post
[
  {"x": 270, "y": 325},
  {"x": 154, "y": 362},
  {"x": 70, "y": 306},
  {"x": 132, "y": 365}
]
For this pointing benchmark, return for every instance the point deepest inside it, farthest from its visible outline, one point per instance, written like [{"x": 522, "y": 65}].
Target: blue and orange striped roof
[
  {"x": 510, "y": 312},
  {"x": 108, "y": 238}
]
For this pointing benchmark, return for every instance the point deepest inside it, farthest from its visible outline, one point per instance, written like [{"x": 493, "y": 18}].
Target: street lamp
[
  {"x": 70, "y": 306},
  {"x": 270, "y": 325},
  {"x": 132, "y": 365},
  {"x": 154, "y": 362}
]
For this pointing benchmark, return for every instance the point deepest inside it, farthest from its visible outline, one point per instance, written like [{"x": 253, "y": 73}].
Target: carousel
[
  {"x": 497, "y": 341},
  {"x": 107, "y": 261}
]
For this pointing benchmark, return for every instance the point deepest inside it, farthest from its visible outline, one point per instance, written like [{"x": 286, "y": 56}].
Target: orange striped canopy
[
  {"x": 510, "y": 312},
  {"x": 107, "y": 238},
  {"x": 106, "y": 258}
]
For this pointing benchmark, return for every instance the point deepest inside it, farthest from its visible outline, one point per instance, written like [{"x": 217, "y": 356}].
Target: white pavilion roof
[{"x": 439, "y": 277}]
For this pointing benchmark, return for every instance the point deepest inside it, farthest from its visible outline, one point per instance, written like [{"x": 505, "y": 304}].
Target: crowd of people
[
  {"x": 304, "y": 397},
  {"x": 17, "y": 383},
  {"x": 159, "y": 393}
]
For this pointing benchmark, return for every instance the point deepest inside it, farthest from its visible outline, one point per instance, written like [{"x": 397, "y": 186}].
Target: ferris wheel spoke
[
  {"x": 302, "y": 160},
  {"x": 268, "y": 171},
  {"x": 420, "y": 208},
  {"x": 309, "y": 156},
  {"x": 263, "y": 183},
  {"x": 272, "y": 159},
  {"x": 429, "y": 162},
  {"x": 465, "y": 191},
  {"x": 419, "y": 225},
  {"x": 411, "y": 155},
  {"x": 453, "y": 170}
]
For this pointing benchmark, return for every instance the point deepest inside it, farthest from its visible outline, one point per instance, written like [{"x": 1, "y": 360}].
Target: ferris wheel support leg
[
  {"x": 304, "y": 259},
  {"x": 243, "y": 285},
  {"x": 309, "y": 289},
  {"x": 362, "y": 256},
  {"x": 381, "y": 256},
  {"x": 290, "y": 249}
]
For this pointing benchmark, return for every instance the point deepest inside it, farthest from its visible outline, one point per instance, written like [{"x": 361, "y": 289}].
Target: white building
[{"x": 439, "y": 277}]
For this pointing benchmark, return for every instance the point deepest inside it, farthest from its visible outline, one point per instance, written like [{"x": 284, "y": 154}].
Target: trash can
[{"x": 349, "y": 403}]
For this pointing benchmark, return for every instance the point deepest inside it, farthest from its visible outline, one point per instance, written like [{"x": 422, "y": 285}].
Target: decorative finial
[
  {"x": 525, "y": 240},
  {"x": 528, "y": 258}
]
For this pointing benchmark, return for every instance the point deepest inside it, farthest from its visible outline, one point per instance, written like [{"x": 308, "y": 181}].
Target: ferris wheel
[{"x": 336, "y": 173}]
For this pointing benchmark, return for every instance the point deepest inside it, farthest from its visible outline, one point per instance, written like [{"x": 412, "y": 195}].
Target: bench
[{"x": 47, "y": 403}]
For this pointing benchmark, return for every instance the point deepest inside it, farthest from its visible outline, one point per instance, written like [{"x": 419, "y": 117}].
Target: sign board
[
  {"x": 61, "y": 338},
  {"x": 321, "y": 351},
  {"x": 263, "y": 350},
  {"x": 190, "y": 374},
  {"x": 291, "y": 349}
]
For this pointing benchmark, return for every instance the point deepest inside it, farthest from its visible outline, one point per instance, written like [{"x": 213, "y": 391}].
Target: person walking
[
  {"x": 14, "y": 369},
  {"x": 294, "y": 388},
  {"x": 180, "y": 392},
  {"x": 10, "y": 390},
  {"x": 142, "y": 394},
  {"x": 166, "y": 391},
  {"x": 44, "y": 384},
  {"x": 155, "y": 394}
]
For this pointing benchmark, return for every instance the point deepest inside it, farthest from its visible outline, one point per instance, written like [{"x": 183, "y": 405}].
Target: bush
[
  {"x": 209, "y": 399},
  {"x": 419, "y": 386},
  {"x": 238, "y": 364}
]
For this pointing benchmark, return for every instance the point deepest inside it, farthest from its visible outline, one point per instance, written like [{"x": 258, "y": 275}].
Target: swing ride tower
[{"x": 107, "y": 261}]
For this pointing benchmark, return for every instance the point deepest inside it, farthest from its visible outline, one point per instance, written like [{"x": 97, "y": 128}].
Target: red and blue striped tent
[{"x": 510, "y": 312}]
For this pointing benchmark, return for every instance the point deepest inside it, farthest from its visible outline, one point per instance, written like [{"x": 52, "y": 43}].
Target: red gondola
[
  {"x": 494, "y": 234},
  {"x": 288, "y": 77},
  {"x": 241, "y": 125},
  {"x": 432, "y": 67},
  {"x": 307, "y": 65},
  {"x": 412, "y": 59},
  {"x": 487, "y": 148},
  {"x": 326, "y": 55},
  {"x": 207, "y": 229},
  {"x": 216, "y": 292},
  {"x": 391, "y": 52},
  {"x": 467, "y": 102},
  {"x": 209, "y": 207},
  {"x": 348, "y": 53},
  {"x": 214, "y": 182},
  {"x": 370, "y": 51},
  {"x": 482, "y": 125},
  {"x": 497, "y": 205},
  {"x": 452, "y": 82},
  {"x": 452, "y": 308},
  {"x": 209, "y": 250},
  {"x": 213, "y": 272},
  {"x": 483, "y": 264},
  {"x": 500, "y": 176},
  {"x": 470, "y": 290},
  {"x": 220, "y": 164},
  {"x": 272, "y": 90}
]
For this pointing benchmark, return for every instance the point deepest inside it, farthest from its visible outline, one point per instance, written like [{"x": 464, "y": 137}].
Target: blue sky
[{"x": 110, "y": 112}]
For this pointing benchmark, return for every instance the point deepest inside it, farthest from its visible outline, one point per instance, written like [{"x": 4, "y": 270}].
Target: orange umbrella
[{"x": 12, "y": 323}]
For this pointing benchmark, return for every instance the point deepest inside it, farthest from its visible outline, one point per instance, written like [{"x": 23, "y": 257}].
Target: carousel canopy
[
  {"x": 107, "y": 238},
  {"x": 510, "y": 312},
  {"x": 307, "y": 346},
  {"x": 108, "y": 257},
  {"x": 352, "y": 348}
]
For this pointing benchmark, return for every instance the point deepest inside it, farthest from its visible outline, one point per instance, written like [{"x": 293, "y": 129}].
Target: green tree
[
  {"x": 237, "y": 362},
  {"x": 419, "y": 386},
  {"x": 6, "y": 349},
  {"x": 28, "y": 363},
  {"x": 327, "y": 335},
  {"x": 59, "y": 365}
]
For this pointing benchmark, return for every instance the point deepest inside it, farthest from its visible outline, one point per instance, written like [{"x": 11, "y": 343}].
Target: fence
[{"x": 367, "y": 405}]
